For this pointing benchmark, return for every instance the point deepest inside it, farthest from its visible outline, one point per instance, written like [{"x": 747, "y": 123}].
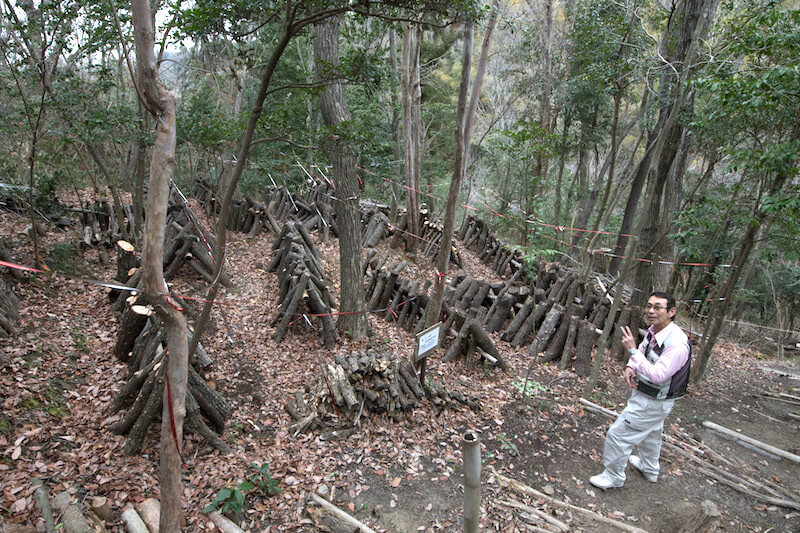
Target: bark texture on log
[
  {"x": 304, "y": 298},
  {"x": 143, "y": 391},
  {"x": 360, "y": 383}
]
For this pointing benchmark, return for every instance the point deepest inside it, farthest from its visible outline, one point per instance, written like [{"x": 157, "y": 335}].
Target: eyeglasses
[{"x": 654, "y": 307}]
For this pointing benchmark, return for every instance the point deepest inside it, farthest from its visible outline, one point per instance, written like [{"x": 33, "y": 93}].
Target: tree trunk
[
  {"x": 688, "y": 21},
  {"x": 411, "y": 94},
  {"x": 398, "y": 153},
  {"x": 434, "y": 307},
  {"x": 222, "y": 232},
  {"x": 719, "y": 309},
  {"x": 353, "y": 318},
  {"x": 162, "y": 104}
]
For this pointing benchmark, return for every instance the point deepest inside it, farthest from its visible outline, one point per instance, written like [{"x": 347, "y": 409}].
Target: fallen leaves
[{"x": 419, "y": 452}]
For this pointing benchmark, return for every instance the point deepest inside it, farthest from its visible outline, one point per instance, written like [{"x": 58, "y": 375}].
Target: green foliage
[
  {"x": 263, "y": 481},
  {"x": 532, "y": 388},
  {"x": 507, "y": 444},
  {"x": 231, "y": 499}
]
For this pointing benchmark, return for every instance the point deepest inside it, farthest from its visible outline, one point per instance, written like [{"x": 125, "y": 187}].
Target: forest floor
[{"x": 404, "y": 475}]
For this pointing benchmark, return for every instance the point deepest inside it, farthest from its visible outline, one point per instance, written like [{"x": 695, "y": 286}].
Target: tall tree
[
  {"x": 411, "y": 98},
  {"x": 162, "y": 105},
  {"x": 353, "y": 318},
  {"x": 677, "y": 50},
  {"x": 752, "y": 97},
  {"x": 434, "y": 306}
]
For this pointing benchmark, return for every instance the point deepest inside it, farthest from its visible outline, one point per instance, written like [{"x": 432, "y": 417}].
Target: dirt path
[{"x": 395, "y": 475}]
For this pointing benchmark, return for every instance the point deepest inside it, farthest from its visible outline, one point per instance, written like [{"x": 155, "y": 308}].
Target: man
[{"x": 658, "y": 372}]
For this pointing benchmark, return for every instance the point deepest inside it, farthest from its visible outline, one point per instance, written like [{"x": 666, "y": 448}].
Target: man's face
[{"x": 657, "y": 314}]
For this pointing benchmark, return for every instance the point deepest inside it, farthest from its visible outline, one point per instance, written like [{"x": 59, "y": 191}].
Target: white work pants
[{"x": 639, "y": 425}]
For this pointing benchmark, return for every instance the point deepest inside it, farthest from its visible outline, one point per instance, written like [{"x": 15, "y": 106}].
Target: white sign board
[{"x": 427, "y": 341}]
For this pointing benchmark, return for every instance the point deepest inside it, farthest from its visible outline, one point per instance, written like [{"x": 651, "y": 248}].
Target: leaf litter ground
[{"x": 394, "y": 475}]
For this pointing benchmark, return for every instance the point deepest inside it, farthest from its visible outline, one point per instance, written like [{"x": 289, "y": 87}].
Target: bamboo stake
[{"x": 471, "y": 450}]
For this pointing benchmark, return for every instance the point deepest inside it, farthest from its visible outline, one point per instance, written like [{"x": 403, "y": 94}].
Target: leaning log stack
[
  {"x": 203, "y": 192},
  {"x": 187, "y": 242},
  {"x": 398, "y": 300},
  {"x": 251, "y": 217},
  {"x": 504, "y": 259},
  {"x": 313, "y": 214},
  {"x": 303, "y": 295},
  {"x": 559, "y": 320},
  {"x": 356, "y": 384},
  {"x": 206, "y": 410},
  {"x": 141, "y": 340},
  {"x": 9, "y": 310},
  {"x": 375, "y": 222},
  {"x": 100, "y": 223},
  {"x": 432, "y": 233},
  {"x": 314, "y": 209}
]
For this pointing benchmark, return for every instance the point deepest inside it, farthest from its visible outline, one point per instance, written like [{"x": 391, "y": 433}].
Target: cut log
[
  {"x": 569, "y": 345},
  {"x": 43, "y": 501},
  {"x": 150, "y": 511},
  {"x": 352, "y": 522},
  {"x": 556, "y": 345},
  {"x": 586, "y": 513},
  {"x": 546, "y": 331},
  {"x": 296, "y": 294},
  {"x": 483, "y": 341},
  {"x": 225, "y": 525},
  {"x": 518, "y": 320},
  {"x": 586, "y": 338},
  {"x": 499, "y": 312},
  {"x": 133, "y": 522}
]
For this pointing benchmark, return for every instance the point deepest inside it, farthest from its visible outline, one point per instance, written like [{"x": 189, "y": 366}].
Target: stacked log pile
[
  {"x": 303, "y": 286},
  {"x": 185, "y": 242},
  {"x": 9, "y": 310},
  {"x": 398, "y": 299},
  {"x": 560, "y": 318},
  {"x": 144, "y": 390},
  {"x": 432, "y": 240},
  {"x": 203, "y": 192},
  {"x": 403, "y": 302},
  {"x": 504, "y": 259},
  {"x": 375, "y": 222},
  {"x": 100, "y": 223},
  {"x": 9, "y": 304},
  {"x": 141, "y": 340},
  {"x": 429, "y": 239},
  {"x": 313, "y": 210},
  {"x": 364, "y": 382}
]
